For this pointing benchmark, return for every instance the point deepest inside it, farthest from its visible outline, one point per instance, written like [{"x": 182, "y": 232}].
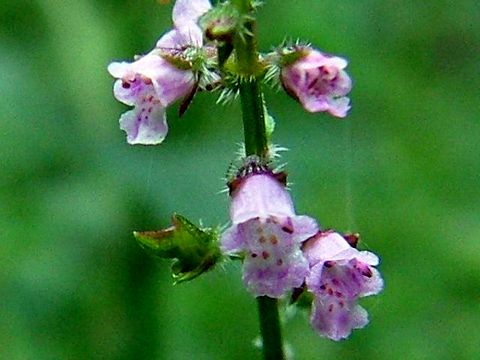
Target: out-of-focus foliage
[{"x": 403, "y": 170}]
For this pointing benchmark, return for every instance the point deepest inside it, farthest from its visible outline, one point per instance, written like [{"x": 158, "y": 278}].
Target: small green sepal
[
  {"x": 291, "y": 54},
  {"x": 224, "y": 52},
  {"x": 193, "y": 249},
  {"x": 301, "y": 297},
  {"x": 220, "y": 23}
]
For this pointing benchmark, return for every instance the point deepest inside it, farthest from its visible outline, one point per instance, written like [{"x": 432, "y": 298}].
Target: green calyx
[
  {"x": 193, "y": 249},
  {"x": 190, "y": 57},
  {"x": 220, "y": 23},
  {"x": 181, "y": 59},
  {"x": 289, "y": 55}
]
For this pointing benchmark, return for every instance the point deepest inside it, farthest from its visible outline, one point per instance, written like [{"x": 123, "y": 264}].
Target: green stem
[
  {"x": 270, "y": 328},
  {"x": 251, "y": 95},
  {"x": 253, "y": 115},
  {"x": 255, "y": 136}
]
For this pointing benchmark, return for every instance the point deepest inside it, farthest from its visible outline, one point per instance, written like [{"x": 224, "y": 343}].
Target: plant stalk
[{"x": 253, "y": 116}]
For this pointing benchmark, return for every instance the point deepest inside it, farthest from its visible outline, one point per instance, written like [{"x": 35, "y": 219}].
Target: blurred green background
[{"x": 402, "y": 169}]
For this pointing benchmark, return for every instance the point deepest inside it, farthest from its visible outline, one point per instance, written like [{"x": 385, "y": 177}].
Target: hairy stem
[
  {"x": 253, "y": 115},
  {"x": 251, "y": 95},
  {"x": 253, "y": 119}
]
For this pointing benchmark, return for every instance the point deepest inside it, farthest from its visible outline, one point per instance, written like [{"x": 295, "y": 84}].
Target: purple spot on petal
[
  {"x": 367, "y": 272},
  {"x": 273, "y": 240}
]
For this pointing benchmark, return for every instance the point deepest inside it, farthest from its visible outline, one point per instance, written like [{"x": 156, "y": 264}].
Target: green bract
[{"x": 194, "y": 250}]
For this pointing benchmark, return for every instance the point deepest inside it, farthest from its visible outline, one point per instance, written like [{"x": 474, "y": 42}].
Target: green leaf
[{"x": 194, "y": 250}]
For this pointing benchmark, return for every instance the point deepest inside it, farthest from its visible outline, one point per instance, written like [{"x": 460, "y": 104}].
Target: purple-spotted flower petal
[
  {"x": 146, "y": 125},
  {"x": 267, "y": 232},
  {"x": 318, "y": 81},
  {"x": 153, "y": 74},
  {"x": 154, "y": 81},
  {"x": 339, "y": 276},
  {"x": 149, "y": 84}
]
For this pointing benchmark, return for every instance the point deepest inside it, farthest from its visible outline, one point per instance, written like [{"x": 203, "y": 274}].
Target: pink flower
[
  {"x": 266, "y": 231},
  {"x": 186, "y": 31},
  {"x": 339, "y": 275},
  {"x": 161, "y": 77},
  {"x": 318, "y": 81}
]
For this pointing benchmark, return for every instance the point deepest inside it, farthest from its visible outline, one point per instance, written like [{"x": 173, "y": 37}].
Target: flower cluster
[
  {"x": 282, "y": 251},
  {"x": 182, "y": 61},
  {"x": 161, "y": 77}
]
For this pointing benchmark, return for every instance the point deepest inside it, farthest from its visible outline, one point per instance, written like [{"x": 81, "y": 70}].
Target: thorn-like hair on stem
[{"x": 243, "y": 166}]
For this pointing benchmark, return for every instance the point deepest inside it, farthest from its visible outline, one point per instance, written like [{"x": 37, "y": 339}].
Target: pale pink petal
[
  {"x": 339, "y": 275},
  {"x": 335, "y": 322},
  {"x": 314, "y": 104},
  {"x": 268, "y": 233},
  {"x": 121, "y": 70},
  {"x": 145, "y": 125},
  {"x": 170, "y": 82},
  {"x": 273, "y": 262},
  {"x": 330, "y": 245},
  {"x": 189, "y": 35},
  {"x": 317, "y": 58},
  {"x": 324, "y": 246},
  {"x": 304, "y": 227},
  {"x": 260, "y": 196},
  {"x": 174, "y": 39},
  {"x": 338, "y": 106},
  {"x": 189, "y": 11},
  {"x": 133, "y": 92},
  {"x": 318, "y": 82},
  {"x": 232, "y": 241},
  {"x": 373, "y": 285}
]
